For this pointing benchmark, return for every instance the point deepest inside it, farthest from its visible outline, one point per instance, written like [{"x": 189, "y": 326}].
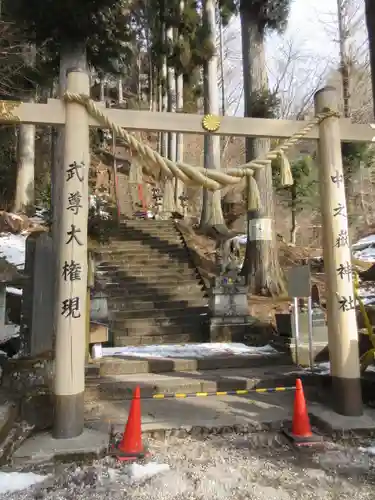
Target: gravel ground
[{"x": 262, "y": 467}]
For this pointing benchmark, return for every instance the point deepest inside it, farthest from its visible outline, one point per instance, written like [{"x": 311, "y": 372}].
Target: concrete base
[
  {"x": 243, "y": 329},
  {"x": 332, "y": 423},
  {"x": 320, "y": 353},
  {"x": 44, "y": 448},
  {"x": 197, "y": 416},
  {"x": 8, "y": 416}
]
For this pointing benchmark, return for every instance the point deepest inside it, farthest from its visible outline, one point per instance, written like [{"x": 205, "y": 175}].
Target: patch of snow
[
  {"x": 323, "y": 368},
  {"x": 367, "y": 240},
  {"x": 364, "y": 249},
  {"x": 370, "y": 450},
  {"x": 195, "y": 351},
  {"x": 13, "y": 291},
  {"x": 140, "y": 472},
  {"x": 318, "y": 369},
  {"x": 18, "y": 481},
  {"x": 13, "y": 248},
  {"x": 241, "y": 239},
  {"x": 367, "y": 294},
  {"x": 8, "y": 332},
  {"x": 97, "y": 203},
  {"x": 366, "y": 254}
]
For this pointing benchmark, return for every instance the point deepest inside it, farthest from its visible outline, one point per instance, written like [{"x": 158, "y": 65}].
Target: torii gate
[{"x": 70, "y": 312}]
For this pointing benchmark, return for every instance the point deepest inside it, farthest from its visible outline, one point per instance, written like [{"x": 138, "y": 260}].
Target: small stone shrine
[{"x": 229, "y": 311}]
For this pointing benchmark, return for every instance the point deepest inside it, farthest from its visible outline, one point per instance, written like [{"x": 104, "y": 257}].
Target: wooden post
[
  {"x": 70, "y": 314},
  {"x": 342, "y": 323}
]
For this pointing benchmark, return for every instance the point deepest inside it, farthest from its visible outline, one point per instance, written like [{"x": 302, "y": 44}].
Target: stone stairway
[
  {"x": 154, "y": 293},
  {"x": 110, "y": 383},
  {"x": 113, "y": 377}
]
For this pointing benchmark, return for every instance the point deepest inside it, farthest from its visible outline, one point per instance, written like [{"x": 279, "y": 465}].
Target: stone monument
[{"x": 230, "y": 320}]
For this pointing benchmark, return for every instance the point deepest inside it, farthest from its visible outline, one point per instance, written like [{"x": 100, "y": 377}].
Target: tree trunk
[
  {"x": 179, "y": 187},
  {"x": 344, "y": 56},
  {"x": 25, "y": 195},
  {"x": 370, "y": 19},
  {"x": 261, "y": 266},
  {"x": 139, "y": 86},
  {"x": 171, "y": 92},
  {"x": 293, "y": 229},
  {"x": 163, "y": 95},
  {"x": 24, "y": 198},
  {"x": 222, "y": 75},
  {"x": 102, "y": 90},
  {"x": 212, "y": 213},
  {"x": 120, "y": 91}
]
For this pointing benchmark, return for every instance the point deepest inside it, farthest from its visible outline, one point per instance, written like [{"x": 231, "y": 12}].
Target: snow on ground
[
  {"x": 13, "y": 248},
  {"x": 140, "y": 472},
  {"x": 370, "y": 450},
  {"x": 190, "y": 351},
  {"x": 364, "y": 249},
  {"x": 219, "y": 468},
  {"x": 17, "y": 481},
  {"x": 13, "y": 291}
]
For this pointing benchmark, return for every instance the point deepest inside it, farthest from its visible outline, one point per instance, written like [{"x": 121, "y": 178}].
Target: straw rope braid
[{"x": 213, "y": 180}]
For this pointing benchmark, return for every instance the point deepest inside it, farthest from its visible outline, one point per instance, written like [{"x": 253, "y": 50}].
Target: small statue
[{"x": 228, "y": 257}]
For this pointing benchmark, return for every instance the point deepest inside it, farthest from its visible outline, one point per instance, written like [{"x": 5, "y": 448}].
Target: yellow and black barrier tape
[{"x": 239, "y": 392}]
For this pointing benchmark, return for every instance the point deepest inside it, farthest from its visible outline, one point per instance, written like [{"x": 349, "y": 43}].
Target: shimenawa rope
[{"x": 213, "y": 180}]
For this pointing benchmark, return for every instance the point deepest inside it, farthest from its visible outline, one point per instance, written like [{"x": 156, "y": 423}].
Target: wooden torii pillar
[{"x": 70, "y": 308}]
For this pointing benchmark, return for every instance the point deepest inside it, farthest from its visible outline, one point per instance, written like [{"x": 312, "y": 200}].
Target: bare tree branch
[{"x": 295, "y": 76}]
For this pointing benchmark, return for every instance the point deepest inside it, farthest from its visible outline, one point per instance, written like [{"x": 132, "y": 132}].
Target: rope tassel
[
  {"x": 253, "y": 195},
  {"x": 286, "y": 177}
]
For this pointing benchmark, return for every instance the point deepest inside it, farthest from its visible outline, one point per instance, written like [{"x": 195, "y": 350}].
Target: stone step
[
  {"x": 141, "y": 282},
  {"x": 149, "y": 239},
  {"x": 149, "y": 273},
  {"x": 148, "y": 223},
  {"x": 168, "y": 335},
  {"x": 144, "y": 259},
  {"x": 150, "y": 291},
  {"x": 152, "y": 295},
  {"x": 142, "y": 253},
  {"x": 128, "y": 365},
  {"x": 154, "y": 243},
  {"x": 156, "y": 266},
  {"x": 137, "y": 284},
  {"x": 120, "y": 387},
  {"x": 154, "y": 325},
  {"x": 150, "y": 227},
  {"x": 132, "y": 304},
  {"x": 165, "y": 312},
  {"x": 126, "y": 260},
  {"x": 130, "y": 233}
]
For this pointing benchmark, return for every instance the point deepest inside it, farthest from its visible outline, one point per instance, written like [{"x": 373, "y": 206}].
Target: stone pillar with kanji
[
  {"x": 71, "y": 311},
  {"x": 341, "y": 313}
]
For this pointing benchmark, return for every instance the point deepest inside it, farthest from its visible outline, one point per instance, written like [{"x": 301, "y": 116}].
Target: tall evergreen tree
[
  {"x": 73, "y": 34},
  {"x": 370, "y": 20},
  {"x": 211, "y": 203},
  {"x": 257, "y": 18}
]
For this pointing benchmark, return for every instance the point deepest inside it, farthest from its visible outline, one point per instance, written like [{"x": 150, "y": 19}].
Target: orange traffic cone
[
  {"x": 301, "y": 433},
  {"x": 131, "y": 447},
  {"x": 301, "y": 423}
]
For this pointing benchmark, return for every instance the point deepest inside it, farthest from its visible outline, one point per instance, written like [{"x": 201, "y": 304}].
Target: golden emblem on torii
[
  {"x": 7, "y": 111},
  {"x": 211, "y": 123}
]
